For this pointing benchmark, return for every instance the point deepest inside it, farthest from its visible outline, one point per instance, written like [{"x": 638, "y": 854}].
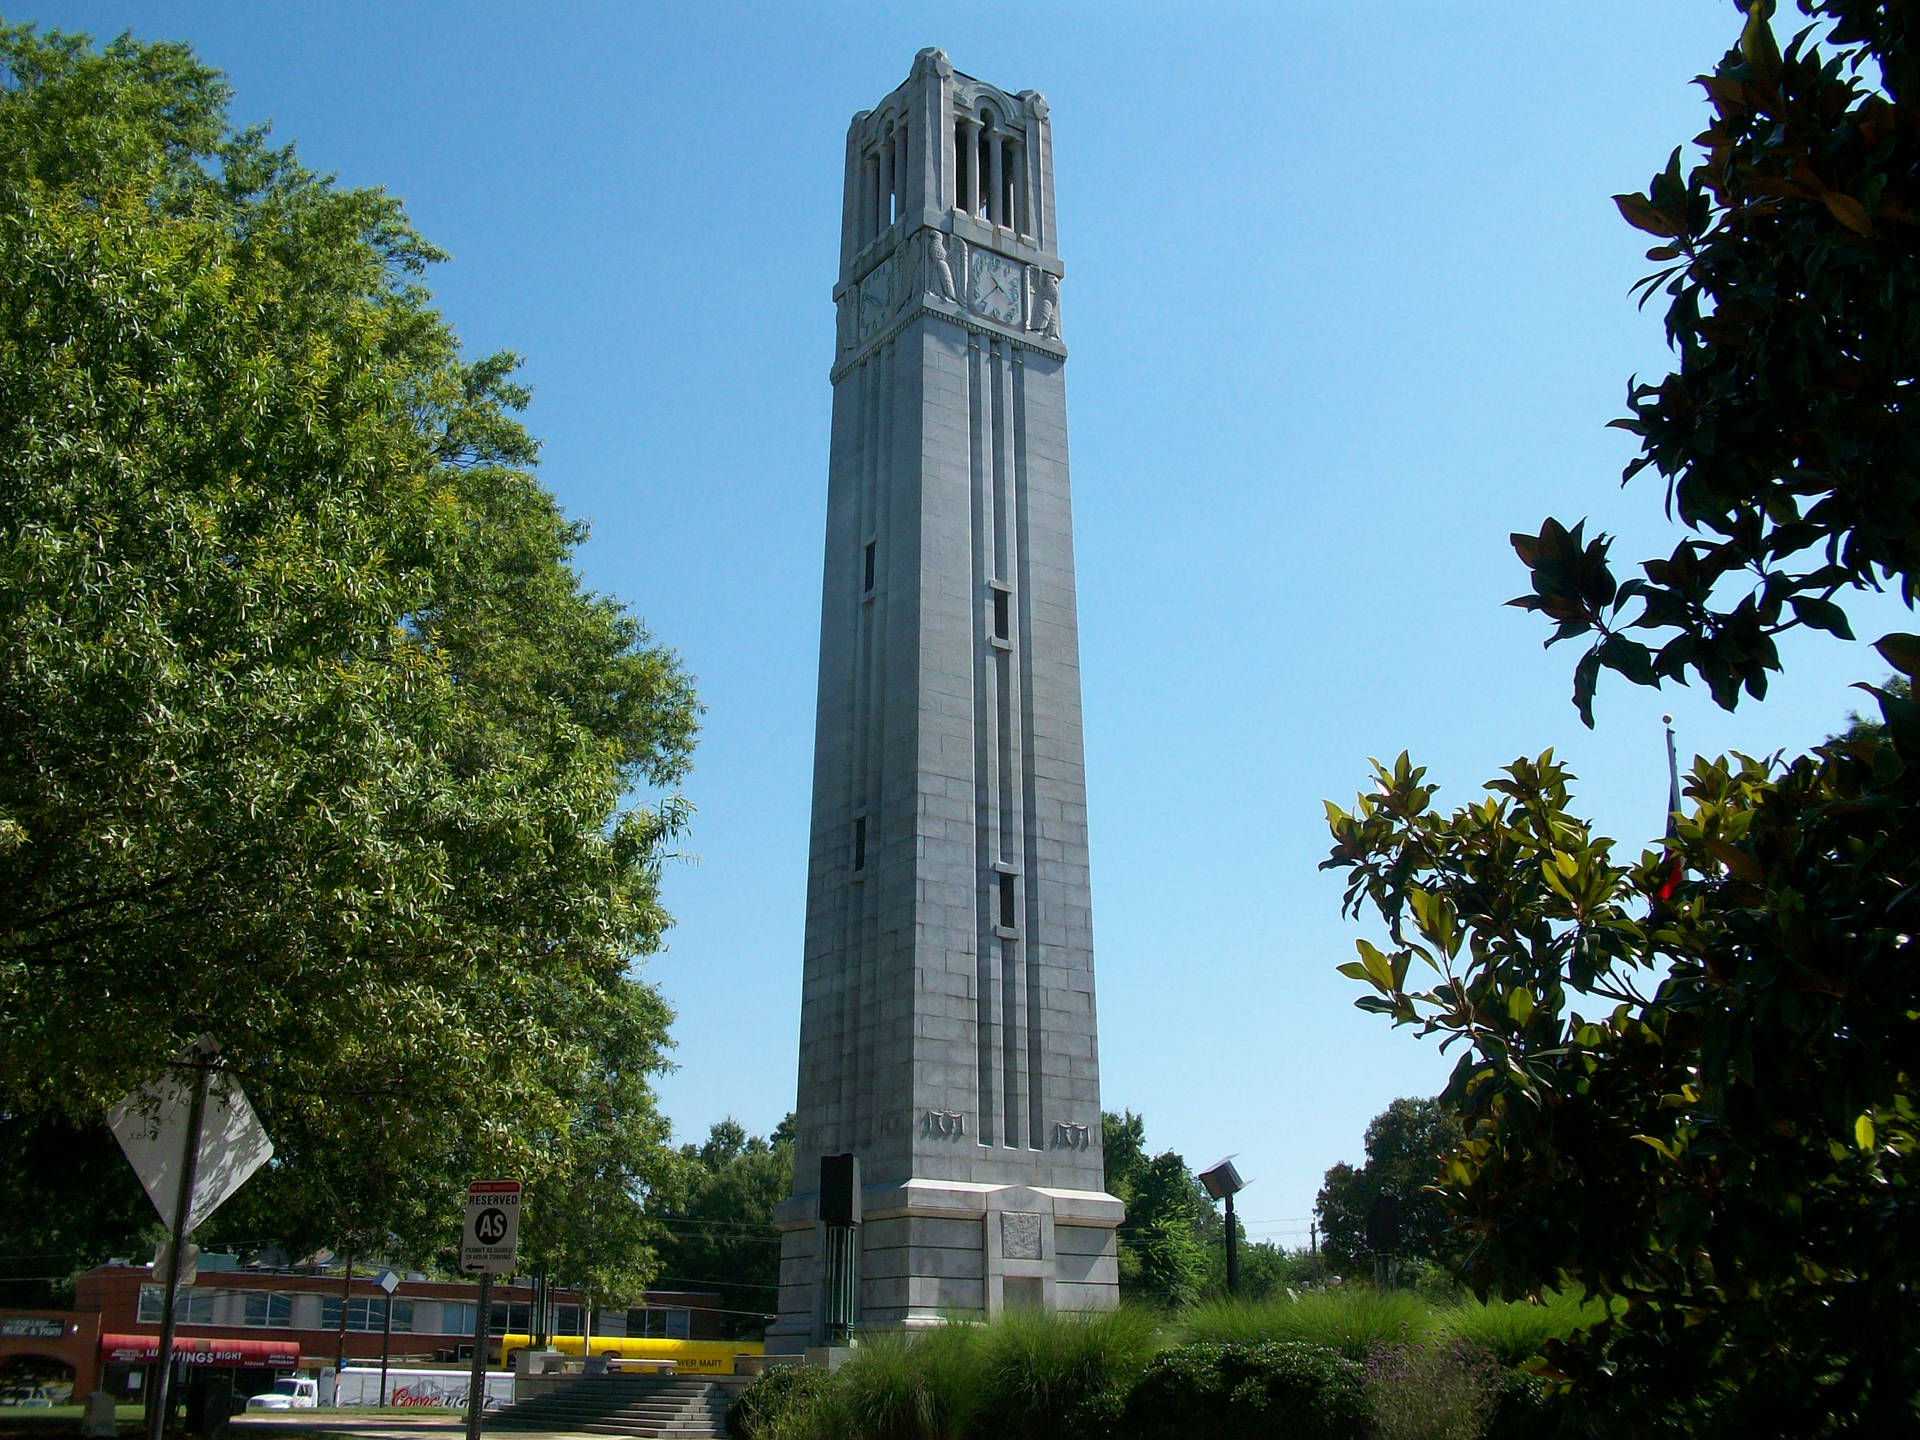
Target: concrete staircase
[{"x": 687, "y": 1407}]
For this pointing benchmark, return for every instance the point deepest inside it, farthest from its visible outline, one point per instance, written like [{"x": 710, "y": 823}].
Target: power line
[{"x": 711, "y": 1280}]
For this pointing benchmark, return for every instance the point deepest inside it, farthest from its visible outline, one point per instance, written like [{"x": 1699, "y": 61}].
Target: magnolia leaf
[
  {"x": 1643, "y": 214},
  {"x": 1821, "y": 615},
  {"x": 1900, "y": 650},
  {"x": 1849, "y": 212},
  {"x": 1551, "y": 874},
  {"x": 1378, "y": 968},
  {"x": 1739, "y": 863}
]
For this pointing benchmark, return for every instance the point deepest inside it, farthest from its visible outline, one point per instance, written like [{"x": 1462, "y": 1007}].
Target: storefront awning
[{"x": 201, "y": 1350}]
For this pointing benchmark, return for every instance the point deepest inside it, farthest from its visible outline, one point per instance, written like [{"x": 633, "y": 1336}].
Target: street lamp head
[
  {"x": 1222, "y": 1180},
  {"x": 387, "y": 1281}
]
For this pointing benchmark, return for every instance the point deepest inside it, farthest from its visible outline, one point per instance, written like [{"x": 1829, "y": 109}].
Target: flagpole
[{"x": 1673, "y": 778}]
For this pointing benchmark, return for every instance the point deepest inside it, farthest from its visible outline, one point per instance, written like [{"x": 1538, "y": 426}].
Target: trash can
[{"x": 210, "y": 1404}]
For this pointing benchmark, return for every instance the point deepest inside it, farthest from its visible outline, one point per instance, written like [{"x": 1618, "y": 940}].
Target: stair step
[{"x": 653, "y": 1407}]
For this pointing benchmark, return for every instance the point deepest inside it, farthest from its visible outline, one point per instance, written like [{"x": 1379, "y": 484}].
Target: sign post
[
  {"x": 487, "y": 1245},
  {"x": 193, "y": 1141}
]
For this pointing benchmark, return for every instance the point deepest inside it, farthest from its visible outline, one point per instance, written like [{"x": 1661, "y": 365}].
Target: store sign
[
  {"x": 32, "y": 1327},
  {"x": 201, "y": 1350}
]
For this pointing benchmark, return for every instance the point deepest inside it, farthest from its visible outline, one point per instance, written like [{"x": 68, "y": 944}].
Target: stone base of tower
[{"x": 931, "y": 1250}]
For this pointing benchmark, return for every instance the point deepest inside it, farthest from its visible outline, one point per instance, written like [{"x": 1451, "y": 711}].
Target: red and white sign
[
  {"x": 202, "y": 1350},
  {"x": 492, "y": 1233}
]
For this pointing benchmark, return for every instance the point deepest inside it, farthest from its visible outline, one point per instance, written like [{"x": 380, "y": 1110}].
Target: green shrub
[
  {"x": 1060, "y": 1376},
  {"x": 1526, "y": 1409},
  {"x": 1213, "y": 1391},
  {"x": 913, "y": 1387},
  {"x": 787, "y": 1402},
  {"x": 1444, "y": 1389},
  {"x": 1515, "y": 1331},
  {"x": 1354, "y": 1320}
]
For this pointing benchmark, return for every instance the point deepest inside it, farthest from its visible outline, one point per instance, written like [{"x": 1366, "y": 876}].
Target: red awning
[{"x": 201, "y": 1350}]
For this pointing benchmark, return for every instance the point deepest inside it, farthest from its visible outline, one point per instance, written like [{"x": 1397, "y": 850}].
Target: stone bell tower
[{"x": 947, "y": 1016}]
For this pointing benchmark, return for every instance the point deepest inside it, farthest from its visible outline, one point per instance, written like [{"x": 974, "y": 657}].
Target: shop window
[
  {"x": 190, "y": 1307},
  {"x": 267, "y": 1311},
  {"x": 367, "y": 1315},
  {"x": 660, "y": 1322}
]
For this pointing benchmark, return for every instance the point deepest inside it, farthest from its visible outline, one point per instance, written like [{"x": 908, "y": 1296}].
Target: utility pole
[{"x": 340, "y": 1349}]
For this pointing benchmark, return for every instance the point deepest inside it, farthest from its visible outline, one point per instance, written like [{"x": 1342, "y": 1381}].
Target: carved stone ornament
[
  {"x": 945, "y": 1124},
  {"x": 1072, "y": 1137},
  {"x": 876, "y": 298},
  {"x": 996, "y": 289},
  {"x": 1046, "y": 305},
  {"x": 939, "y": 269},
  {"x": 1019, "y": 1235}
]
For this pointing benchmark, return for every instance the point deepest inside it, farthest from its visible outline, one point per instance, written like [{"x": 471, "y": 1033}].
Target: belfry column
[{"x": 947, "y": 1033}]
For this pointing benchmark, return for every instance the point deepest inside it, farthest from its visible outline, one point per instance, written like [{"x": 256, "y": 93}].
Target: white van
[{"x": 291, "y": 1392}]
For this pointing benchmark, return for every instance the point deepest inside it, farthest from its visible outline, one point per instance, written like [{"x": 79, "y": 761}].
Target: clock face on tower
[{"x": 996, "y": 288}]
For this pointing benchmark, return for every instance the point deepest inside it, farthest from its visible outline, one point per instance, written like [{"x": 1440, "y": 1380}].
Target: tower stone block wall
[{"x": 947, "y": 1015}]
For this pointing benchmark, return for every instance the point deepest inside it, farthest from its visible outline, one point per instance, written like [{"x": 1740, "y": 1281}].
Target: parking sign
[{"x": 492, "y": 1232}]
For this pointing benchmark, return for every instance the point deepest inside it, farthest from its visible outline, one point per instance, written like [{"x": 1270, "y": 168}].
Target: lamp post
[
  {"x": 389, "y": 1282},
  {"x": 1223, "y": 1182}
]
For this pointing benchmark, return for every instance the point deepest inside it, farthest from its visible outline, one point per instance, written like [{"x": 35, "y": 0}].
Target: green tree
[
  {"x": 1688, "y": 1079},
  {"x": 1171, "y": 1227},
  {"x": 587, "y": 1221},
  {"x": 1407, "y": 1145},
  {"x": 717, "y": 1214},
  {"x": 311, "y": 738}
]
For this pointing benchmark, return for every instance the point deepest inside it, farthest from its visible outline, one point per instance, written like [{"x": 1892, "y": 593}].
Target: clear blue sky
[{"x": 1347, "y": 303}]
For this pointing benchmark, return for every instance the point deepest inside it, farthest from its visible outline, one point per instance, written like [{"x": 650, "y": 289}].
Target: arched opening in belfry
[{"x": 988, "y": 207}]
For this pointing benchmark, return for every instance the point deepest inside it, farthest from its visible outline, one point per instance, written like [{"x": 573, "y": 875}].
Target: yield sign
[{"x": 151, "y": 1126}]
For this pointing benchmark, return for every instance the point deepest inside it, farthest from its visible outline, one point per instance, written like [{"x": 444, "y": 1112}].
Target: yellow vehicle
[{"x": 690, "y": 1357}]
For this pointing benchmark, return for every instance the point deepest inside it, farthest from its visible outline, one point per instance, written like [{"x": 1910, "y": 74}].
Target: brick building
[{"x": 259, "y": 1323}]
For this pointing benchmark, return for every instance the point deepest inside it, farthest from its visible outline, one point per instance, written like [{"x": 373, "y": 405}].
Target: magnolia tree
[{"x": 1687, "y": 1076}]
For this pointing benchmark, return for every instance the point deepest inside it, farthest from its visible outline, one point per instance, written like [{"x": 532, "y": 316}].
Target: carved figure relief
[
  {"x": 939, "y": 272},
  {"x": 997, "y": 288},
  {"x": 1046, "y": 306},
  {"x": 1019, "y": 1235},
  {"x": 945, "y": 1124},
  {"x": 1072, "y": 1137},
  {"x": 876, "y": 298}
]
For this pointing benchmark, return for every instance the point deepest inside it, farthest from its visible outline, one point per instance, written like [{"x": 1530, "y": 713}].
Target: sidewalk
[
  {"x": 285, "y": 1424},
  {"x": 290, "y": 1424}
]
